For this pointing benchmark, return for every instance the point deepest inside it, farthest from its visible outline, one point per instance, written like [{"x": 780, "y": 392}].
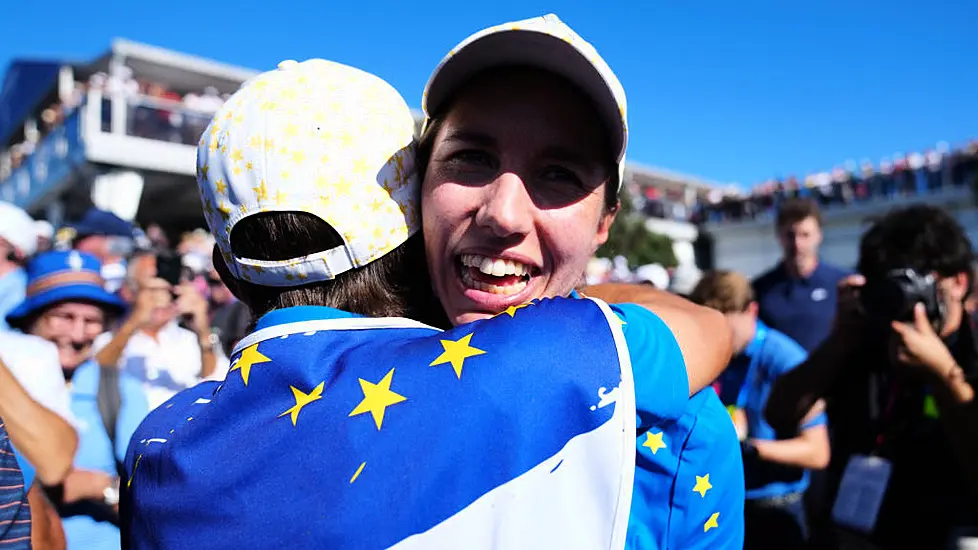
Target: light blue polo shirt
[
  {"x": 746, "y": 383},
  {"x": 95, "y": 450},
  {"x": 13, "y": 288}
]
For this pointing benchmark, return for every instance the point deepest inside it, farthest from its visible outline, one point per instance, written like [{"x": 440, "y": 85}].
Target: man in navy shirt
[{"x": 797, "y": 296}]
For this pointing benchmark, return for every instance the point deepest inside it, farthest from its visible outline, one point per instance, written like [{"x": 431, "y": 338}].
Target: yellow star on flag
[
  {"x": 712, "y": 522},
  {"x": 377, "y": 397},
  {"x": 702, "y": 485},
  {"x": 511, "y": 310},
  {"x": 456, "y": 353},
  {"x": 654, "y": 442},
  {"x": 249, "y": 358},
  {"x": 303, "y": 399}
]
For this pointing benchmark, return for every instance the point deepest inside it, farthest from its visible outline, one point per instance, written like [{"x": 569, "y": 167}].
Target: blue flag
[{"x": 336, "y": 431}]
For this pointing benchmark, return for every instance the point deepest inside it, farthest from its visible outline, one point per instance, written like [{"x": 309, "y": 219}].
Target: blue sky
[{"x": 731, "y": 91}]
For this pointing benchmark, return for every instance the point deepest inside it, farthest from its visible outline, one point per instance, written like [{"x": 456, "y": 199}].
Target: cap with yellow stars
[
  {"x": 320, "y": 138},
  {"x": 545, "y": 42}
]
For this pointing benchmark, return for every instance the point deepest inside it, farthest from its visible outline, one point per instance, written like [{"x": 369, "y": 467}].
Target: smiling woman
[
  {"x": 521, "y": 161},
  {"x": 532, "y": 195}
]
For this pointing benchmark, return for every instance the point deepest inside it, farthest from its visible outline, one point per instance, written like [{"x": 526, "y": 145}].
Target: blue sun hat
[{"x": 54, "y": 277}]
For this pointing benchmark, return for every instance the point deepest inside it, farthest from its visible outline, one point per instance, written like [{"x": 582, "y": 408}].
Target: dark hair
[
  {"x": 395, "y": 285},
  {"x": 924, "y": 238},
  {"x": 796, "y": 209},
  {"x": 426, "y": 143}
]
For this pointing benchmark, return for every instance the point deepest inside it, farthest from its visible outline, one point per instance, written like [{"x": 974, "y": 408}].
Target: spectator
[
  {"x": 775, "y": 469},
  {"x": 899, "y": 391},
  {"x": 797, "y": 296},
  {"x": 230, "y": 318},
  {"x": 18, "y": 240},
  {"x": 150, "y": 345},
  {"x": 70, "y": 308},
  {"x": 45, "y": 235},
  {"x": 15, "y": 513},
  {"x": 109, "y": 238}
]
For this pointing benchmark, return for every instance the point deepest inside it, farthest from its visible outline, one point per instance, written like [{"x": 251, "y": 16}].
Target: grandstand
[{"x": 119, "y": 131}]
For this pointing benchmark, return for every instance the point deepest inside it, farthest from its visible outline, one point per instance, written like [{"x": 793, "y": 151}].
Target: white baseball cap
[
  {"x": 17, "y": 228},
  {"x": 545, "y": 42},
  {"x": 316, "y": 137}
]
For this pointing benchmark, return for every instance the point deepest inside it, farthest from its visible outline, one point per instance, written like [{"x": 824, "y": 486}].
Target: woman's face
[{"x": 513, "y": 200}]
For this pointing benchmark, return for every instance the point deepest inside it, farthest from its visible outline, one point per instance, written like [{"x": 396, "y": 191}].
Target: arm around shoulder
[{"x": 702, "y": 333}]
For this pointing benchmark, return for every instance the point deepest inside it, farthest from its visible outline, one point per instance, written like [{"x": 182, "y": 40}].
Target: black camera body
[{"x": 892, "y": 297}]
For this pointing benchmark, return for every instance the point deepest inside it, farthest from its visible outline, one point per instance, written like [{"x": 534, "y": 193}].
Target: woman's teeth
[{"x": 496, "y": 267}]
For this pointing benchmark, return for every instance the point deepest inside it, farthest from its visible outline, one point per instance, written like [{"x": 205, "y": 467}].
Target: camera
[{"x": 893, "y": 295}]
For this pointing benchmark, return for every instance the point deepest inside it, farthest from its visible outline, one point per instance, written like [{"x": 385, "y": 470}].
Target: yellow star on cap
[
  {"x": 303, "y": 399},
  {"x": 702, "y": 485},
  {"x": 249, "y": 357},
  {"x": 261, "y": 192},
  {"x": 654, "y": 442},
  {"x": 456, "y": 353},
  {"x": 377, "y": 397},
  {"x": 236, "y": 155},
  {"x": 712, "y": 522},
  {"x": 220, "y": 186},
  {"x": 280, "y": 197}
]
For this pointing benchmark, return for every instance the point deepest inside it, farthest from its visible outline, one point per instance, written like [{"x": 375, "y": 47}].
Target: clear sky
[{"x": 734, "y": 91}]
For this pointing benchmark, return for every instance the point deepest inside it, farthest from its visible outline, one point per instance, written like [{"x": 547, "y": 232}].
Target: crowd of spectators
[
  {"x": 900, "y": 176},
  {"x": 106, "y": 322},
  {"x": 153, "y": 111}
]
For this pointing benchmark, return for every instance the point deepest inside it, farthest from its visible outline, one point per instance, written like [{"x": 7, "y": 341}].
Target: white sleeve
[
  {"x": 35, "y": 364},
  {"x": 185, "y": 369}
]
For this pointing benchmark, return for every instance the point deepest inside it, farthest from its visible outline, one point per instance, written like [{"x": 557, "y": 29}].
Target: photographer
[{"x": 897, "y": 373}]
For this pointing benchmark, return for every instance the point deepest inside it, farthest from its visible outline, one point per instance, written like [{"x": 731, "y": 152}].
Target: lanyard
[
  {"x": 886, "y": 416},
  {"x": 752, "y": 366}
]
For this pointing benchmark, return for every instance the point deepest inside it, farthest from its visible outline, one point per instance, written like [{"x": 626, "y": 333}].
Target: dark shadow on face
[{"x": 530, "y": 123}]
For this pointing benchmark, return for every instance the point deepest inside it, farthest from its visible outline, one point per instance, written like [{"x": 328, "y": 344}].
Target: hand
[
  {"x": 921, "y": 346},
  {"x": 153, "y": 295},
  {"x": 87, "y": 485},
  {"x": 191, "y": 303},
  {"x": 848, "y": 309}
]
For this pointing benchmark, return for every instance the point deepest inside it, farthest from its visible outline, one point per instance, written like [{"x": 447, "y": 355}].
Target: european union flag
[{"x": 339, "y": 431}]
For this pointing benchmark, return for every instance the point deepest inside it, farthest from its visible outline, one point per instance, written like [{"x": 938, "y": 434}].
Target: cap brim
[
  {"x": 524, "y": 47},
  {"x": 93, "y": 294}
]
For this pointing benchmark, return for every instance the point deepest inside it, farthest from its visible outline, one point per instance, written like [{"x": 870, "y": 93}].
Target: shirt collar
[
  {"x": 298, "y": 314},
  {"x": 755, "y": 345},
  {"x": 806, "y": 280}
]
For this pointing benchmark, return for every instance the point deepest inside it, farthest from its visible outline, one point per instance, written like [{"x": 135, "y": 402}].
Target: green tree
[{"x": 630, "y": 238}]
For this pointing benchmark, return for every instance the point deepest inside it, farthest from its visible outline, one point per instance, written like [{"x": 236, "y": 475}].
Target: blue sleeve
[
  {"x": 781, "y": 354},
  {"x": 134, "y": 409},
  {"x": 708, "y": 499},
  {"x": 661, "y": 381}
]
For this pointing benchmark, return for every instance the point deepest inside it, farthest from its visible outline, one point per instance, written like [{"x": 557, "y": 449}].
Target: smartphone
[{"x": 169, "y": 267}]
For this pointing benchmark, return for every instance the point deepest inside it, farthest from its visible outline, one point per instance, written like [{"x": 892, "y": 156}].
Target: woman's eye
[
  {"x": 471, "y": 157},
  {"x": 557, "y": 173}
]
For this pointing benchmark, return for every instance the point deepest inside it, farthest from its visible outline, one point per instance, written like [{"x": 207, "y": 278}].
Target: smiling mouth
[{"x": 493, "y": 275}]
